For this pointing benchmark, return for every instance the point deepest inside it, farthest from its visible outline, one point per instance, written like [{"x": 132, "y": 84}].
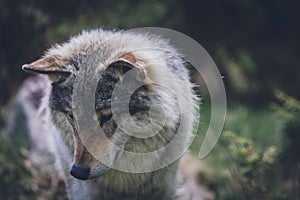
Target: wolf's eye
[
  {"x": 105, "y": 115},
  {"x": 70, "y": 115},
  {"x": 105, "y": 118}
]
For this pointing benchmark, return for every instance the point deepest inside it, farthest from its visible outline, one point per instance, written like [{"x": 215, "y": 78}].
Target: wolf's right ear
[
  {"x": 127, "y": 62},
  {"x": 47, "y": 65}
]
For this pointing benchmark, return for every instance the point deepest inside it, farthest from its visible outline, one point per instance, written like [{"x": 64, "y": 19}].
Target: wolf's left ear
[
  {"x": 47, "y": 65},
  {"x": 127, "y": 62}
]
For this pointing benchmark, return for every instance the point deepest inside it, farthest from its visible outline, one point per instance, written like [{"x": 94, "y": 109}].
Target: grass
[{"x": 261, "y": 127}]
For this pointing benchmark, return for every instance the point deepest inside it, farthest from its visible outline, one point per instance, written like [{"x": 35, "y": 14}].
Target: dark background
[{"x": 255, "y": 44}]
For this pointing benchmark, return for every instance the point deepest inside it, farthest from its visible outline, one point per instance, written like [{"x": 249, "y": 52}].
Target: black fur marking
[{"x": 61, "y": 97}]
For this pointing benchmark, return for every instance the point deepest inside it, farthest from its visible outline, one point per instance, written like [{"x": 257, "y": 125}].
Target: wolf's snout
[{"x": 80, "y": 172}]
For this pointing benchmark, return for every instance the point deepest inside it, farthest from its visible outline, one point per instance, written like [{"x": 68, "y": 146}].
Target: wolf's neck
[{"x": 159, "y": 184}]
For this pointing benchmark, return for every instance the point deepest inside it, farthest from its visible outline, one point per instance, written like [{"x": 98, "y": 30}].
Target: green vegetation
[
  {"x": 256, "y": 157},
  {"x": 15, "y": 171}
]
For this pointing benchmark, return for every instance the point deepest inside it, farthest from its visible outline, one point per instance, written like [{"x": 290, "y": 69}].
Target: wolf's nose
[{"x": 80, "y": 172}]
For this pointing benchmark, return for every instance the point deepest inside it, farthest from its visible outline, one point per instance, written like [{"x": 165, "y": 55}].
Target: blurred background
[{"x": 255, "y": 44}]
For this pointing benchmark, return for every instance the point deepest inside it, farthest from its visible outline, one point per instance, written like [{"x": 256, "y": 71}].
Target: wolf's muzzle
[{"x": 80, "y": 172}]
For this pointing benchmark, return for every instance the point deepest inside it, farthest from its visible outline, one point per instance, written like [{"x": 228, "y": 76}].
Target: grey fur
[{"x": 159, "y": 62}]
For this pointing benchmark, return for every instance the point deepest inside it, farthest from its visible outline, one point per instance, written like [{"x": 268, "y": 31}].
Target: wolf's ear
[
  {"x": 127, "y": 62},
  {"x": 47, "y": 65}
]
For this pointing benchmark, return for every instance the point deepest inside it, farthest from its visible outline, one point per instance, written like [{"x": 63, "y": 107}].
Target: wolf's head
[{"x": 117, "y": 96}]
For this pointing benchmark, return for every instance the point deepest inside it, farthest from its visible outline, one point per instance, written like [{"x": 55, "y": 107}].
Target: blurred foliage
[
  {"x": 254, "y": 43},
  {"x": 26, "y": 172},
  {"x": 27, "y": 28},
  {"x": 250, "y": 168},
  {"x": 288, "y": 111},
  {"x": 260, "y": 159},
  {"x": 243, "y": 171},
  {"x": 15, "y": 171},
  {"x": 289, "y": 108}
]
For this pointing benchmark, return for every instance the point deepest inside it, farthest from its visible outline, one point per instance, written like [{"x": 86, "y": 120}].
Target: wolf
[{"x": 120, "y": 109}]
